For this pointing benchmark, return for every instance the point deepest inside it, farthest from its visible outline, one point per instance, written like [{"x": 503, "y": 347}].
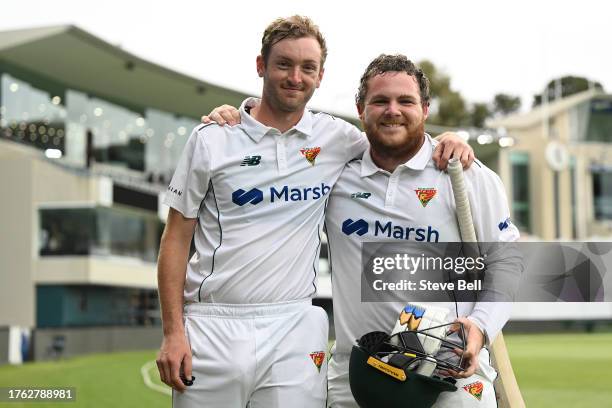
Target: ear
[
  {"x": 361, "y": 113},
  {"x": 425, "y": 110},
  {"x": 261, "y": 66},
  {"x": 320, "y": 77}
]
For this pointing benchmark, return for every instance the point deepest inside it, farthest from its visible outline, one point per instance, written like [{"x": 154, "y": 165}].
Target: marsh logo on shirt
[
  {"x": 504, "y": 224},
  {"x": 387, "y": 229},
  {"x": 283, "y": 193},
  {"x": 253, "y": 196},
  {"x": 360, "y": 227}
]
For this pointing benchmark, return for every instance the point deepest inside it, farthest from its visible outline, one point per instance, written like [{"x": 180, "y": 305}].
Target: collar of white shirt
[
  {"x": 257, "y": 130},
  {"x": 417, "y": 162}
]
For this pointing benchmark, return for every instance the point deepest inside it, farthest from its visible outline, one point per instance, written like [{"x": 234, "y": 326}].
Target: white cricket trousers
[
  {"x": 472, "y": 392},
  {"x": 256, "y": 356}
]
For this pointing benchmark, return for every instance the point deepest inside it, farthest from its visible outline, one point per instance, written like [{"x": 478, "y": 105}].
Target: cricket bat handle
[{"x": 506, "y": 387}]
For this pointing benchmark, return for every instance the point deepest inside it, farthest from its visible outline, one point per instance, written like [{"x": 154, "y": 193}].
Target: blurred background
[{"x": 97, "y": 101}]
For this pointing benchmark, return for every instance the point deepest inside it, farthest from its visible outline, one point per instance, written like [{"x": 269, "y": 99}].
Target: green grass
[
  {"x": 553, "y": 370},
  {"x": 563, "y": 370},
  {"x": 101, "y": 380}
]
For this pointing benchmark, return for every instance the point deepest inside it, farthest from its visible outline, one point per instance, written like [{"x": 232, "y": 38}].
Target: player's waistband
[{"x": 246, "y": 310}]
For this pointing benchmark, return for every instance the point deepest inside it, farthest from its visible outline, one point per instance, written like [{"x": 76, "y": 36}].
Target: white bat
[{"x": 506, "y": 387}]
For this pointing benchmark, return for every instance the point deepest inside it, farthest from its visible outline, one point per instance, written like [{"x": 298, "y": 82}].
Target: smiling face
[
  {"x": 393, "y": 114},
  {"x": 291, "y": 74}
]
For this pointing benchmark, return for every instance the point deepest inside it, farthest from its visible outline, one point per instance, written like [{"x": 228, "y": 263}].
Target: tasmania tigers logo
[
  {"x": 318, "y": 357},
  {"x": 425, "y": 195},
  {"x": 475, "y": 389},
  {"x": 310, "y": 153}
]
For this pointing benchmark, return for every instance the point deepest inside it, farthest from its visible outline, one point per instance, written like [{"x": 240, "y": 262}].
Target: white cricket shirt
[
  {"x": 259, "y": 197},
  {"x": 369, "y": 204}
]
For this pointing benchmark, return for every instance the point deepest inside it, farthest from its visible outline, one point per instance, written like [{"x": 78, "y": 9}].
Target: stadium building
[{"x": 558, "y": 170}]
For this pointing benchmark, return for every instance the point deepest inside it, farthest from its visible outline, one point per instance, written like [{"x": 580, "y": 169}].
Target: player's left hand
[
  {"x": 224, "y": 114},
  {"x": 474, "y": 341},
  {"x": 451, "y": 145}
]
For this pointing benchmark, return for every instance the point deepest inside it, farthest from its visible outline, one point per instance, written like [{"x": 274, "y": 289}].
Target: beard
[
  {"x": 282, "y": 103},
  {"x": 406, "y": 146}
]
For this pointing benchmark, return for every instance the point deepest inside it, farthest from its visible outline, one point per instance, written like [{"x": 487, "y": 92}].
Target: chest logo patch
[
  {"x": 361, "y": 195},
  {"x": 475, "y": 389},
  {"x": 310, "y": 153},
  {"x": 251, "y": 161},
  {"x": 425, "y": 195},
  {"x": 318, "y": 357}
]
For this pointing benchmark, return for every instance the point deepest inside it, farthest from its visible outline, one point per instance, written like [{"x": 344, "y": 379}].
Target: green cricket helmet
[{"x": 401, "y": 369}]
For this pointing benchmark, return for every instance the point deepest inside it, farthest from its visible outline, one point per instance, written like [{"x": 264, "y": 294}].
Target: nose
[
  {"x": 294, "y": 76},
  {"x": 393, "y": 108}
]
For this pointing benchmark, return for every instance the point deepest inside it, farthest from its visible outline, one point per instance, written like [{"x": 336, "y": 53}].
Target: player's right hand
[
  {"x": 173, "y": 359},
  {"x": 224, "y": 114}
]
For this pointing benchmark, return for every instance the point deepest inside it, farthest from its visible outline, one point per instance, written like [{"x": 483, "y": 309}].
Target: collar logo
[
  {"x": 310, "y": 153},
  {"x": 318, "y": 357},
  {"x": 251, "y": 161},
  {"x": 361, "y": 195},
  {"x": 425, "y": 195},
  {"x": 475, "y": 389}
]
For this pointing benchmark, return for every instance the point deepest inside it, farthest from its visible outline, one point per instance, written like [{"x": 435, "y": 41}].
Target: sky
[{"x": 486, "y": 47}]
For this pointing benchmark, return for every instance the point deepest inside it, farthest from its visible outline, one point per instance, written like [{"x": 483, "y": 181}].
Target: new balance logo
[
  {"x": 251, "y": 161},
  {"x": 361, "y": 195},
  {"x": 241, "y": 197},
  {"x": 360, "y": 227}
]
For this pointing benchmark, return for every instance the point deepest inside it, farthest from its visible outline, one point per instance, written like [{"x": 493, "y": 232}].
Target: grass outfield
[
  {"x": 563, "y": 370},
  {"x": 101, "y": 380},
  {"x": 560, "y": 370}
]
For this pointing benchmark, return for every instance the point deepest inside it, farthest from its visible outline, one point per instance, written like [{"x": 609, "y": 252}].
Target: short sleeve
[
  {"x": 190, "y": 180},
  {"x": 489, "y": 203},
  {"x": 356, "y": 142}
]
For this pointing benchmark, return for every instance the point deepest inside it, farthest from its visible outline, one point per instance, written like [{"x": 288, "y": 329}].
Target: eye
[
  {"x": 282, "y": 64},
  {"x": 310, "y": 68}
]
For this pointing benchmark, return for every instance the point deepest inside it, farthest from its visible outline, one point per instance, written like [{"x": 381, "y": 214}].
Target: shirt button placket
[
  {"x": 281, "y": 154},
  {"x": 391, "y": 190}
]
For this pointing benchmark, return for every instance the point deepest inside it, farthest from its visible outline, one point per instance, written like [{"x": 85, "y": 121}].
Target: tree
[
  {"x": 451, "y": 110},
  {"x": 569, "y": 85},
  {"x": 505, "y": 104},
  {"x": 439, "y": 82},
  {"x": 479, "y": 113},
  {"x": 449, "y": 107}
]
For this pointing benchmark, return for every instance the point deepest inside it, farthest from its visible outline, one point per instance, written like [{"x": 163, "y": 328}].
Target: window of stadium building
[
  {"x": 592, "y": 121},
  {"x": 520, "y": 190},
  {"x": 31, "y": 116},
  {"x": 602, "y": 193},
  {"x": 99, "y": 231},
  {"x": 89, "y": 131},
  {"x": 600, "y": 121}
]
